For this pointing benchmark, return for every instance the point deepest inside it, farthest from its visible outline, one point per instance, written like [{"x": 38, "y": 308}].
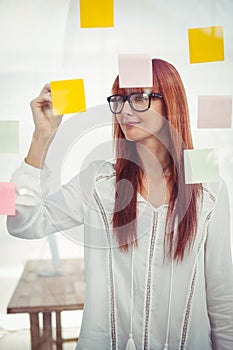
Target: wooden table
[{"x": 45, "y": 289}]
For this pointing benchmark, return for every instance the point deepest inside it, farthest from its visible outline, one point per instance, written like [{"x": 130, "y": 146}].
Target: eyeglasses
[{"x": 139, "y": 101}]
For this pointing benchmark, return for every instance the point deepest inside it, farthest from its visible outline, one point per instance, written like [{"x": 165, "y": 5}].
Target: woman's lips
[{"x": 130, "y": 123}]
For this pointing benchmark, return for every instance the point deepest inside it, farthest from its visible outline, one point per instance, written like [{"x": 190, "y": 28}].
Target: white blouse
[{"x": 158, "y": 302}]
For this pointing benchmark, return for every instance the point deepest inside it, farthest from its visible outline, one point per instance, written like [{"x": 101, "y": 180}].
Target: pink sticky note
[
  {"x": 135, "y": 70},
  {"x": 214, "y": 111},
  {"x": 7, "y": 198}
]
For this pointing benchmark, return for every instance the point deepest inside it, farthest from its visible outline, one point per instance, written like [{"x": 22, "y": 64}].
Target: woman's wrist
[
  {"x": 43, "y": 137},
  {"x": 38, "y": 148}
]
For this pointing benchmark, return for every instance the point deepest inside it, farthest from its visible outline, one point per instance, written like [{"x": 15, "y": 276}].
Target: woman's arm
[
  {"x": 219, "y": 273},
  {"x": 36, "y": 214}
]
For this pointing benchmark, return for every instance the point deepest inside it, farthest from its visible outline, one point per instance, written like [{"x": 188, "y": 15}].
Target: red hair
[{"x": 183, "y": 201}]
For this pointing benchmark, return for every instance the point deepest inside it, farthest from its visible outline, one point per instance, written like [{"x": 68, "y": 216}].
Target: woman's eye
[{"x": 140, "y": 99}]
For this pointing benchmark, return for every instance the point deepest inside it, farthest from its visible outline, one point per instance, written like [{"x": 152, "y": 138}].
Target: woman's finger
[
  {"x": 45, "y": 97},
  {"x": 45, "y": 89}
]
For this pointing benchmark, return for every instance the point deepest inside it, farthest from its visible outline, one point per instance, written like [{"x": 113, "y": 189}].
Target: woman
[{"x": 164, "y": 279}]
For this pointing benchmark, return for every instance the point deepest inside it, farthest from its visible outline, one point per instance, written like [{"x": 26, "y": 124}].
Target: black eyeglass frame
[{"x": 127, "y": 98}]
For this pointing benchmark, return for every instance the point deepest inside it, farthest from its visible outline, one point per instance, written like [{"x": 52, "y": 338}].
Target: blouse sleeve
[
  {"x": 219, "y": 273},
  {"x": 37, "y": 214}
]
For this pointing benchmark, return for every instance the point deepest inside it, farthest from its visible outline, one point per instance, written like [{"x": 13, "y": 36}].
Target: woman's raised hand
[{"x": 46, "y": 124}]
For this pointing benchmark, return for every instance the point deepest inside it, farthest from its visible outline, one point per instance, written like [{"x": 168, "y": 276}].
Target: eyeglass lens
[{"x": 138, "y": 101}]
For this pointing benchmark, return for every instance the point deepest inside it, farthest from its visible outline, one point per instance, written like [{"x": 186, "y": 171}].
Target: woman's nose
[{"x": 127, "y": 110}]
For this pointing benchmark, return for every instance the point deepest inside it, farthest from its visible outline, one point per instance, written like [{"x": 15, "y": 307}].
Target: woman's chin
[{"x": 131, "y": 136}]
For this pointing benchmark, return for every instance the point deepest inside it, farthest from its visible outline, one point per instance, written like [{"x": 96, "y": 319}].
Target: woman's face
[{"x": 140, "y": 126}]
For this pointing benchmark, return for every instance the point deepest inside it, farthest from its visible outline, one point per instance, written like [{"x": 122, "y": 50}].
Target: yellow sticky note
[
  {"x": 201, "y": 165},
  {"x": 96, "y": 13},
  {"x": 206, "y": 44},
  {"x": 68, "y": 96}
]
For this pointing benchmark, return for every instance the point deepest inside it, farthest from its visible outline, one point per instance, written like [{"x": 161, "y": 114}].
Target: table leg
[
  {"x": 35, "y": 331},
  {"x": 47, "y": 331},
  {"x": 58, "y": 331}
]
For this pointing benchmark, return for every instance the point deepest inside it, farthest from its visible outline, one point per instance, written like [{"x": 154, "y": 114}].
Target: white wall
[{"x": 41, "y": 41}]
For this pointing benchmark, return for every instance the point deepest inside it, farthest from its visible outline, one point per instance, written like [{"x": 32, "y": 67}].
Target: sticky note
[
  {"x": 135, "y": 70},
  {"x": 201, "y": 165},
  {"x": 68, "y": 96},
  {"x": 9, "y": 136},
  {"x": 7, "y": 198},
  {"x": 96, "y": 13},
  {"x": 214, "y": 111},
  {"x": 206, "y": 44}
]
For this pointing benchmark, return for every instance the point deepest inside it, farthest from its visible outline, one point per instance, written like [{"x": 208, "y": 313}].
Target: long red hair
[{"x": 183, "y": 201}]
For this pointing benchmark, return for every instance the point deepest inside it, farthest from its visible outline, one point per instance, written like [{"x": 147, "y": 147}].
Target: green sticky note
[
  {"x": 201, "y": 165},
  {"x": 68, "y": 96},
  {"x": 206, "y": 44},
  {"x": 9, "y": 136},
  {"x": 95, "y": 13}
]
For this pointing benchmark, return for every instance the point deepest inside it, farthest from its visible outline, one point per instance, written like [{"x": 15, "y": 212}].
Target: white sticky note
[
  {"x": 201, "y": 165},
  {"x": 214, "y": 111},
  {"x": 135, "y": 70}
]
